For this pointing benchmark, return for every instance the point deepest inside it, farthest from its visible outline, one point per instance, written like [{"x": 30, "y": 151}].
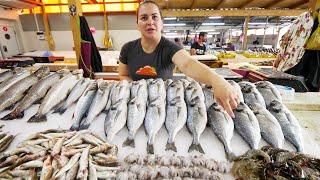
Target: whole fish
[
  {"x": 196, "y": 121},
  {"x": 269, "y": 126},
  {"x": 83, "y": 105},
  {"x": 174, "y": 90},
  {"x": 208, "y": 95},
  {"x": 222, "y": 126},
  {"x": 34, "y": 95},
  {"x": 74, "y": 95},
  {"x": 268, "y": 91},
  {"x": 120, "y": 90},
  {"x": 116, "y": 119},
  {"x": 17, "y": 90},
  {"x": 247, "y": 125},
  {"x": 136, "y": 109},
  {"x": 47, "y": 169},
  {"x": 175, "y": 120},
  {"x": 251, "y": 94},
  {"x": 98, "y": 104},
  {"x": 5, "y": 85},
  {"x": 6, "y": 74},
  {"x": 289, "y": 124},
  {"x": 156, "y": 111},
  {"x": 56, "y": 95},
  {"x": 237, "y": 89}
]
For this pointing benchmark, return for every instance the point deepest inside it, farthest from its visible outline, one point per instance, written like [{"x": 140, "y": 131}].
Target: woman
[{"x": 153, "y": 56}]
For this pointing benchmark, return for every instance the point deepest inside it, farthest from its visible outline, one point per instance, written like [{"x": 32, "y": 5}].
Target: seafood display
[
  {"x": 274, "y": 163},
  {"x": 59, "y": 154},
  {"x": 171, "y": 167}
]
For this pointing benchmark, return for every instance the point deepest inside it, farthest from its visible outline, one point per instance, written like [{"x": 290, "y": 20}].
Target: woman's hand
[{"x": 226, "y": 96}]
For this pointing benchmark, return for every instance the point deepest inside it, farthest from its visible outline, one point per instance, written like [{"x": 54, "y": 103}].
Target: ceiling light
[
  {"x": 176, "y": 24},
  {"x": 213, "y": 24},
  {"x": 214, "y": 33},
  {"x": 215, "y": 17},
  {"x": 257, "y": 23},
  {"x": 170, "y": 18}
]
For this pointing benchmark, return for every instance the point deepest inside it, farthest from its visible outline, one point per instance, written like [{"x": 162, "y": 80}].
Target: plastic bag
[{"x": 314, "y": 40}]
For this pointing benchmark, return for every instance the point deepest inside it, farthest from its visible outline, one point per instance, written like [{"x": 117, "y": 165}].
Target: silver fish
[
  {"x": 208, "y": 95},
  {"x": 83, "y": 105},
  {"x": 251, "y": 94},
  {"x": 83, "y": 164},
  {"x": 269, "y": 126},
  {"x": 17, "y": 90},
  {"x": 120, "y": 90},
  {"x": 136, "y": 109},
  {"x": 222, "y": 125},
  {"x": 247, "y": 125},
  {"x": 155, "y": 115},
  {"x": 174, "y": 90},
  {"x": 268, "y": 91},
  {"x": 175, "y": 120},
  {"x": 6, "y": 74},
  {"x": 237, "y": 88},
  {"x": 116, "y": 119},
  {"x": 98, "y": 104},
  {"x": 196, "y": 121},
  {"x": 56, "y": 95},
  {"x": 289, "y": 124},
  {"x": 193, "y": 90},
  {"x": 35, "y": 94},
  {"x": 5, "y": 85},
  {"x": 74, "y": 95}
]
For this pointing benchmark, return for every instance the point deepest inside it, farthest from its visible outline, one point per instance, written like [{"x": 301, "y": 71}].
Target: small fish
[
  {"x": 222, "y": 125},
  {"x": 57, "y": 147},
  {"x": 289, "y": 124},
  {"x": 47, "y": 169},
  {"x": 269, "y": 126},
  {"x": 73, "y": 160},
  {"x": 74, "y": 95},
  {"x": 83, "y": 164},
  {"x": 268, "y": 91},
  {"x": 72, "y": 173},
  {"x": 92, "y": 170},
  {"x": 247, "y": 125},
  {"x": 83, "y": 106}
]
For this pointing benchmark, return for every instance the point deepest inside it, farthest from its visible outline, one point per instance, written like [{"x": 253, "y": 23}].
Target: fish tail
[
  {"x": 74, "y": 127},
  {"x": 171, "y": 146},
  {"x": 195, "y": 147},
  {"x": 13, "y": 115},
  {"x": 60, "y": 110},
  {"x": 8, "y": 117},
  {"x": 299, "y": 148},
  {"x": 230, "y": 156},
  {"x": 129, "y": 142},
  {"x": 38, "y": 118},
  {"x": 150, "y": 149}
]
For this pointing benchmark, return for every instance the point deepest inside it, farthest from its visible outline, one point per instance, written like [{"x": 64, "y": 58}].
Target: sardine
[
  {"x": 289, "y": 124},
  {"x": 83, "y": 106},
  {"x": 247, "y": 125},
  {"x": 222, "y": 125}
]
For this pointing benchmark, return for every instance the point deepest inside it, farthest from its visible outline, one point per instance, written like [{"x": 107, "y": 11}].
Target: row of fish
[
  {"x": 5, "y": 139},
  {"x": 58, "y": 154},
  {"x": 171, "y": 167},
  {"x": 275, "y": 163}
]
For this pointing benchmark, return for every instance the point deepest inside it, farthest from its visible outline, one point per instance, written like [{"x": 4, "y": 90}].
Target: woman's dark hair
[{"x": 147, "y": 2}]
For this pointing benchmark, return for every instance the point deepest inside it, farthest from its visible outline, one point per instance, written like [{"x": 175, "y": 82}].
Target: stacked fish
[
  {"x": 59, "y": 154},
  {"x": 5, "y": 139},
  {"x": 171, "y": 167},
  {"x": 274, "y": 163}
]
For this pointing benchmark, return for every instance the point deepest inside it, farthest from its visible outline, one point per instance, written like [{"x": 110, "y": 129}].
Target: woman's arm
[
  {"x": 124, "y": 72},
  {"x": 223, "y": 91}
]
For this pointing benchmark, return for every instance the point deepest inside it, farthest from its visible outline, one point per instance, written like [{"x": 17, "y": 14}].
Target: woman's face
[{"x": 149, "y": 21}]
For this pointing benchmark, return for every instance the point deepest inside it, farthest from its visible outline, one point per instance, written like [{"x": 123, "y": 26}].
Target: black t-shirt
[
  {"x": 200, "y": 50},
  {"x": 160, "y": 59}
]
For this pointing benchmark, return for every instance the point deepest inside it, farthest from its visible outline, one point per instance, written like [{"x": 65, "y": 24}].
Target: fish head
[
  {"x": 241, "y": 107},
  {"x": 93, "y": 86},
  {"x": 263, "y": 84},
  {"x": 194, "y": 101},
  {"x": 42, "y": 71},
  {"x": 63, "y": 72},
  {"x": 175, "y": 101},
  {"x": 275, "y": 106},
  {"x": 255, "y": 107}
]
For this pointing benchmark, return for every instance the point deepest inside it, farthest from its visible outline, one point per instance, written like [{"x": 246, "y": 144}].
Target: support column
[
  {"x": 245, "y": 32},
  {"x": 47, "y": 29}
]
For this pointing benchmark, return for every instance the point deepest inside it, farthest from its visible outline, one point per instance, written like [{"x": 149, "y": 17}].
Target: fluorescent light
[
  {"x": 215, "y": 17},
  {"x": 170, "y": 18},
  {"x": 214, "y": 33},
  {"x": 213, "y": 24},
  {"x": 257, "y": 23},
  {"x": 171, "y": 33},
  {"x": 205, "y": 30},
  {"x": 176, "y": 24}
]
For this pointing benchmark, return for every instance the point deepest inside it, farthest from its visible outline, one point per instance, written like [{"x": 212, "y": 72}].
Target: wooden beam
[
  {"x": 238, "y": 12},
  {"x": 221, "y": 1},
  {"x": 245, "y": 33},
  {"x": 314, "y": 5},
  {"x": 75, "y": 26},
  {"x": 33, "y": 2},
  {"x": 246, "y": 3},
  {"x": 298, "y": 4},
  {"x": 47, "y": 29},
  {"x": 274, "y": 4}
]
